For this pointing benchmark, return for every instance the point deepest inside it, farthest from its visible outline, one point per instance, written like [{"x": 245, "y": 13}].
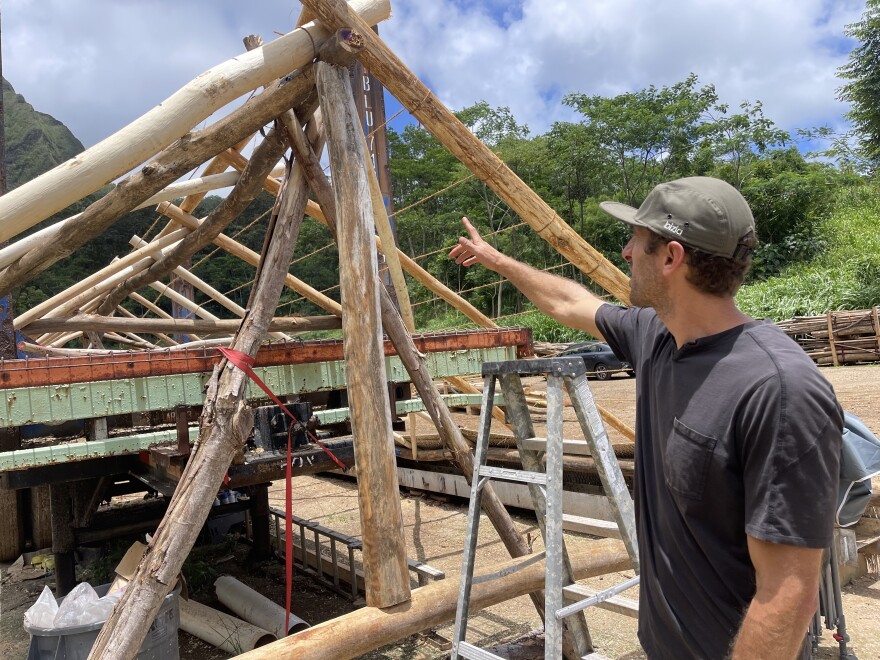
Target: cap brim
[{"x": 622, "y": 212}]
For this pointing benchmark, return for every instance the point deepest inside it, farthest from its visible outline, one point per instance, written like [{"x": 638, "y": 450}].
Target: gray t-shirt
[{"x": 736, "y": 434}]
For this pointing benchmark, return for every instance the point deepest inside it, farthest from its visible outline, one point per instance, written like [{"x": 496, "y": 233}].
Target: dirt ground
[{"x": 435, "y": 533}]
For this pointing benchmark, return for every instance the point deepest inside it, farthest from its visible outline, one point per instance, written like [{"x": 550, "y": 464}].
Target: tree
[
  {"x": 739, "y": 141},
  {"x": 862, "y": 91},
  {"x": 647, "y": 136}
]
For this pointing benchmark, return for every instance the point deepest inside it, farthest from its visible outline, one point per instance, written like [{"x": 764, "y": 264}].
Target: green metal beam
[
  {"x": 74, "y": 451},
  {"x": 58, "y": 403}
]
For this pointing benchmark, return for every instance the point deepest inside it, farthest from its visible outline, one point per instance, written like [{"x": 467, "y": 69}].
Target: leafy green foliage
[{"x": 862, "y": 91}]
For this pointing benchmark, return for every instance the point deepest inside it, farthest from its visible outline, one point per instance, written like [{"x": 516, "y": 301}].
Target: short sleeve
[
  {"x": 622, "y": 328},
  {"x": 790, "y": 445}
]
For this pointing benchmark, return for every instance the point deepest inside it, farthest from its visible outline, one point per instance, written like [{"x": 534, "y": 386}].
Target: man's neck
[{"x": 700, "y": 315}]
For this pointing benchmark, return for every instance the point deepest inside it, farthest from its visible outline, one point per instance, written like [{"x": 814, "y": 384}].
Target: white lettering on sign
[{"x": 366, "y": 83}]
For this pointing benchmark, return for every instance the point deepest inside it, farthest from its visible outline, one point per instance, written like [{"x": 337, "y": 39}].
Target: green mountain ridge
[{"x": 35, "y": 141}]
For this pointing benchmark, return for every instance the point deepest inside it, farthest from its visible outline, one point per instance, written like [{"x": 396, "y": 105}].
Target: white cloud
[
  {"x": 784, "y": 53},
  {"x": 97, "y": 65}
]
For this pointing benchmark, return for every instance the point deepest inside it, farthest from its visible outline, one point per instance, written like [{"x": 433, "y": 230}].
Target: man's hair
[{"x": 712, "y": 274}]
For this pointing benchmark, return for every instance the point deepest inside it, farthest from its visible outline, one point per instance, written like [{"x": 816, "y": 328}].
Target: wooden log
[
  {"x": 168, "y": 121},
  {"x": 453, "y": 135},
  {"x": 414, "y": 363},
  {"x": 384, "y": 547},
  {"x": 224, "y": 427},
  {"x": 251, "y": 257},
  {"x": 831, "y": 339},
  {"x": 368, "y": 628},
  {"x": 54, "y": 303},
  {"x": 172, "y": 163},
  {"x": 189, "y": 188},
  {"x": 201, "y": 285},
  {"x": 265, "y": 157},
  {"x": 100, "y": 323}
]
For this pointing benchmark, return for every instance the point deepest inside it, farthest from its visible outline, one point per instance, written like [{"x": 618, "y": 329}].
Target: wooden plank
[
  {"x": 594, "y": 526},
  {"x": 384, "y": 546},
  {"x": 831, "y": 343}
]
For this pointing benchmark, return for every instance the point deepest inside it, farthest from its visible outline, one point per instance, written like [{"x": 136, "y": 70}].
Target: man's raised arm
[{"x": 564, "y": 300}]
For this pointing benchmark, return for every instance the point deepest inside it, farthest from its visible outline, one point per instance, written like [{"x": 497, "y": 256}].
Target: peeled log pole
[
  {"x": 386, "y": 575},
  {"x": 176, "y": 160},
  {"x": 225, "y": 424},
  {"x": 251, "y": 257},
  {"x": 414, "y": 363},
  {"x": 172, "y": 118},
  {"x": 453, "y": 135},
  {"x": 248, "y": 187},
  {"x": 100, "y": 323},
  {"x": 369, "y": 628}
]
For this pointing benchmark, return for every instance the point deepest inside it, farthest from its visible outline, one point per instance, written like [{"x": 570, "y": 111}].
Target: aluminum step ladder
[{"x": 545, "y": 486}]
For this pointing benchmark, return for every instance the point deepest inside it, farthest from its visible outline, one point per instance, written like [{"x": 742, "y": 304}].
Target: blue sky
[{"x": 99, "y": 65}]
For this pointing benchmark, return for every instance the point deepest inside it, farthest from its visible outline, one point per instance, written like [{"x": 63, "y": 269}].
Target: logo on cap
[{"x": 673, "y": 228}]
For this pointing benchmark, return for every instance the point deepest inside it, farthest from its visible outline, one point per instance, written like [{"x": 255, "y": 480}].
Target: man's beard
[{"x": 649, "y": 290}]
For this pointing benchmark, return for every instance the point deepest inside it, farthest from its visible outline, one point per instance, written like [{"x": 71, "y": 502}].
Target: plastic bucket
[{"x": 75, "y": 642}]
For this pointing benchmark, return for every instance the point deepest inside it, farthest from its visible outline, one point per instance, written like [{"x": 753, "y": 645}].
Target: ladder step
[
  {"x": 508, "y": 474},
  {"x": 569, "y": 447},
  {"x": 472, "y": 652},
  {"x": 619, "y": 604},
  {"x": 611, "y": 602},
  {"x": 603, "y": 528}
]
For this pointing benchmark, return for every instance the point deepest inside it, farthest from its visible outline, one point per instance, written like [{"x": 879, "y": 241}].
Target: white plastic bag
[
  {"x": 42, "y": 613},
  {"x": 74, "y": 609}
]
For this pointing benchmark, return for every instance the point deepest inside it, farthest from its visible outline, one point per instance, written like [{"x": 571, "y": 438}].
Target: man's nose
[{"x": 626, "y": 253}]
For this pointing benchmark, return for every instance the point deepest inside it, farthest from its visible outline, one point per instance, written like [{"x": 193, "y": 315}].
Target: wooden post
[
  {"x": 831, "y": 343},
  {"x": 415, "y": 365},
  {"x": 384, "y": 549},
  {"x": 453, "y": 135},
  {"x": 225, "y": 424},
  {"x": 63, "y": 542},
  {"x": 262, "y": 548}
]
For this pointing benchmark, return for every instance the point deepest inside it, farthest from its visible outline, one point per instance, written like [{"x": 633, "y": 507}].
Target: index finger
[{"x": 470, "y": 228}]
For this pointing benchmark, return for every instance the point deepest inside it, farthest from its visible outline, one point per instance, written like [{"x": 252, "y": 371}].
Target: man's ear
[{"x": 674, "y": 257}]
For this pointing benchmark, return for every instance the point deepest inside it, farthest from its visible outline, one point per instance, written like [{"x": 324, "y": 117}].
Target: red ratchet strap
[{"x": 244, "y": 361}]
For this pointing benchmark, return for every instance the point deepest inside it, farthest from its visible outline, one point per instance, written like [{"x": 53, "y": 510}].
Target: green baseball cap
[{"x": 705, "y": 213}]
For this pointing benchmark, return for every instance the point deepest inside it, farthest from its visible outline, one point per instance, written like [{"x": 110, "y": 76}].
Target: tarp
[{"x": 859, "y": 461}]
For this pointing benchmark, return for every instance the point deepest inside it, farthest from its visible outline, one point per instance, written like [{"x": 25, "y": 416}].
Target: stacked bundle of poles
[
  {"x": 836, "y": 338},
  {"x": 299, "y": 73}
]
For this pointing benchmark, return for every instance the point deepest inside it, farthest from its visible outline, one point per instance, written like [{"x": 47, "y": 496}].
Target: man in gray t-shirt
[{"x": 737, "y": 433}]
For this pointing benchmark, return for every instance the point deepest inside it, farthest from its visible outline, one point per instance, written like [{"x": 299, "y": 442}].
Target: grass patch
[{"x": 845, "y": 276}]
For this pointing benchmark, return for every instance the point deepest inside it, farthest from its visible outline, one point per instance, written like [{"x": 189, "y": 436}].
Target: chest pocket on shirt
[{"x": 686, "y": 460}]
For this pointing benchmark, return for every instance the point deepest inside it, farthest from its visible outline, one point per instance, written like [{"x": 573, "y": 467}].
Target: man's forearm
[
  {"x": 773, "y": 630},
  {"x": 561, "y": 299}
]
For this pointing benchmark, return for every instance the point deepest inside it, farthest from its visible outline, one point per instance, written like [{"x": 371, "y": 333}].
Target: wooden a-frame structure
[{"x": 306, "y": 102}]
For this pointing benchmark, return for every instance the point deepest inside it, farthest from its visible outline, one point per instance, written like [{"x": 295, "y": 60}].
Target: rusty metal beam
[{"x": 32, "y": 372}]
